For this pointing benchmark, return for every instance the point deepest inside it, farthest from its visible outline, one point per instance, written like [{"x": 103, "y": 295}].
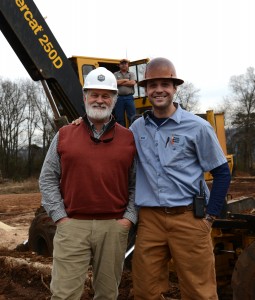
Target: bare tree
[
  {"x": 12, "y": 106},
  {"x": 188, "y": 97},
  {"x": 243, "y": 99},
  {"x": 29, "y": 88},
  {"x": 26, "y": 128},
  {"x": 46, "y": 126}
]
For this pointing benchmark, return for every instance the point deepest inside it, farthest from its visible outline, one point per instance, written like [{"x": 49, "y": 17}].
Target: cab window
[
  {"x": 138, "y": 70},
  {"x": 86, "y": 69}
]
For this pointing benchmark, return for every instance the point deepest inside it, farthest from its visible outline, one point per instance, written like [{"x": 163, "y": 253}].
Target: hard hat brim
[
  {"x": 101, "y": 87},
  {"x": 143, "y": 82},
  {"x": 124, "y": 60}
]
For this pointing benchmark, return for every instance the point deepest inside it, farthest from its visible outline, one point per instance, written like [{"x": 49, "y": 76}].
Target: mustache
[{"x": 99, "y": 105}]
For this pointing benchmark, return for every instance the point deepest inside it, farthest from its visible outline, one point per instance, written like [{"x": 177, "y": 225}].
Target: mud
[{"x": 25, "y": 275}]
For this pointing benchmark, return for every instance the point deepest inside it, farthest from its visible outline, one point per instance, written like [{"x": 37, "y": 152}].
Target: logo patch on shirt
[{"x": 175, "y": 139}]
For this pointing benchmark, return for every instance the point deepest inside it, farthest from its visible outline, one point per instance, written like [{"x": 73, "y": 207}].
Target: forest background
[{"x": 27, "y": 124}]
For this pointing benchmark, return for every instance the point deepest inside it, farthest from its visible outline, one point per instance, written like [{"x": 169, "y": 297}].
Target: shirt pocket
[{"x": 174, "y": 154}]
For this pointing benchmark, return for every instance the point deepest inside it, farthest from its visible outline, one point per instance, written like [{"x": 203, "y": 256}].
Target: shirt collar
[
  {"x": 175, "y": 117},
  {"x": 106, "y": 127}
]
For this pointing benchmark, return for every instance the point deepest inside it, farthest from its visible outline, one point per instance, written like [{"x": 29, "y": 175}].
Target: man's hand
[
  {"x": 125, "y": 223},
  {"x": 77, "y": 121},
  {"x": 62, "y": 220}
]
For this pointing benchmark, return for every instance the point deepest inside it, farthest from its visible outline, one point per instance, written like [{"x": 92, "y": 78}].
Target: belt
[{"x": 174, "y": 210}]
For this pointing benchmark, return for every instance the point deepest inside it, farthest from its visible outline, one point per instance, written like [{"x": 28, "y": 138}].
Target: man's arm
[
  {"x": 122, "y": 81},
  {"x": 131, "y": 210},
  {"x": 221, "y": 181},
  {"x": 49, "y": 182},
  {"x": 127, "y": 82}
]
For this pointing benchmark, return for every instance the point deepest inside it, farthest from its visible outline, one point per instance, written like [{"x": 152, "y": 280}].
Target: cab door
[{"x": 141, "y": 101}]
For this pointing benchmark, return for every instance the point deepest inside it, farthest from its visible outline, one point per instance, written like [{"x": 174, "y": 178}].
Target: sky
[{"x": 207, "y": 41}]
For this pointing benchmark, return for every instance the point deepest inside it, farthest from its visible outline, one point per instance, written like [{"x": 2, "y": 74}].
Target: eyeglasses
[
  {"x": 124, "y": 63},
  {"x": 98, "y": 141}
]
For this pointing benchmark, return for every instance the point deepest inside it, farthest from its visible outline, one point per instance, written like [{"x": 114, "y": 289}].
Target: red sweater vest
[{"x": 94, "y": 177}]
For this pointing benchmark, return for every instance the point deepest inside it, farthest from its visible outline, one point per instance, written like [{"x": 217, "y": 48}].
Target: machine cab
[{"x": 83, "y": 65}]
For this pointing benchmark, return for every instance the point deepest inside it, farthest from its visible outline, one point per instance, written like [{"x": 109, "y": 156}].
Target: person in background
[
  {"x": 174, "y": 149},
  {"x": 87, "y": 185},
  {"x": 125, "y": 102}
]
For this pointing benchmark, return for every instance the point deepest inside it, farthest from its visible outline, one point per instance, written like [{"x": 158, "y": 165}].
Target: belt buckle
[{"x": 169, "y": 210}]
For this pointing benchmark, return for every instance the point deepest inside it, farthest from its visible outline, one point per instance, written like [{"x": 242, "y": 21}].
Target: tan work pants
[
  {"x": 75, "y": 242},
  {"x": 187, "y": 241}
]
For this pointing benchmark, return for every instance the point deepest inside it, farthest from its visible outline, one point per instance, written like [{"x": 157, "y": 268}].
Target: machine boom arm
[{"x": 30, "y": 37}]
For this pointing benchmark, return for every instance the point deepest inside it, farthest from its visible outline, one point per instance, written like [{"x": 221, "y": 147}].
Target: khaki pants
[
  {"x": 187, "y": 241},
  {"x": 75, "y": 242}
]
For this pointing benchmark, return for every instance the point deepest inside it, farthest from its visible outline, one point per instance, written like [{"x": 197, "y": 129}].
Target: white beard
[{"x": 98, "y": 114}]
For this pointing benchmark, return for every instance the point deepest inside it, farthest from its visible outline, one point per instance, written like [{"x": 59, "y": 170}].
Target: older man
[{"x": 87, "y": 189}]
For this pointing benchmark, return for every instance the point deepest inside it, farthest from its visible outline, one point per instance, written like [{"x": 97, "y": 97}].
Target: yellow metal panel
[
  {"x": 220, "y": 131},
  {"x": 142, "y": 104},
  {"x": 217, "y": 122}
]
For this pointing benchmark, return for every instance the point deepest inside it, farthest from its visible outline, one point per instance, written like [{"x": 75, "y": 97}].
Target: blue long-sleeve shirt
[{"x": 172, "y": 159}]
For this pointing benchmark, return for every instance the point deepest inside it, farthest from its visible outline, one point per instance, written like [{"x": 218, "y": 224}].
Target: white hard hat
[{"x": 100, "y": 78}]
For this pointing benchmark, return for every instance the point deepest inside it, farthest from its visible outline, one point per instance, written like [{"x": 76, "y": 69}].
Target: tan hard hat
[
  {"x": 124, "y": 60},
  {"x": 160, "y": 68}
]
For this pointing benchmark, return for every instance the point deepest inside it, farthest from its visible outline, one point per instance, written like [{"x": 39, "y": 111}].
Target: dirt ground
[{"x": 25, "y": 275}]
